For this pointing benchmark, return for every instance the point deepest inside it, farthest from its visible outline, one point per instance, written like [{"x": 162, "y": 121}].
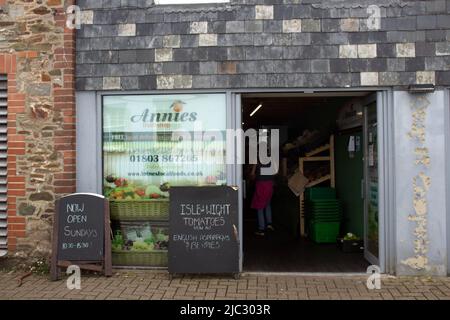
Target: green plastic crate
[
  {"x": 324, "y": 232},
  {"x": 319, "y": 193}
]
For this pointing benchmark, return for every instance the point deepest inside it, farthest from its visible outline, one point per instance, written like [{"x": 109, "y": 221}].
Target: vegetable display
[
  {"x": 134, "y": 239},
  {"x": 121, "y": 189}
]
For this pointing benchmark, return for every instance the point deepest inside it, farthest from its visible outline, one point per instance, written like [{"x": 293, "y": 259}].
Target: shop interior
[{"x": 321, "y": 141}]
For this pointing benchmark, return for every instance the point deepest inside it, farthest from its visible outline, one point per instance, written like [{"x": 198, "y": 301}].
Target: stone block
[
  {"x": 367, "y": 50},
  {"x": 426, "y": 22},
  {"x": 207, "y": 40},
  {"x": 425, "y": 77},
  {"x": 189, "y": 41},
  {"x": 311, "y": 25},
  {"x": 349, "y": 25},
  {"x": 330, "y": 25},
  {"x": 389, "y": 78},
  {"x": 320, "y": 66},
  {"x": 227, "y": 67},
  {"x": 171, "y": 41},
  {"x": 127, "y": 30},
  {"x": 369, "y": 78},
  {"x": 443, "y": 48},
  {"x": 201, "y": 82},
  {"x": 127, "y": 56},
  {"x": 174, "y": 81},
  {"x": 165, "y": 54},
  {"x": 386, "y": 50},
  {"x": 348, "y": 51},
  {"x": 147, "y": 82},
  {"x": 111, "y": 83},
  {"x": 129, "y": 83},
  {"x": 87, "y": 17},
  {"x": 406, "y": 50},
  {"x": 199, "y": 27},
  {"x": 301, "y": 39},
  {"x": 235, "y": 26},
  {"x": 208, "y": 67},
  {"x": 396, "y": 65},
  {"x": 414, "y": 64},
  {"x": 293, "y": 25},
  {"x": 263, "y": 12},
  {"x": 253, "y": 26},
  {"x": 273, "y": 26}
]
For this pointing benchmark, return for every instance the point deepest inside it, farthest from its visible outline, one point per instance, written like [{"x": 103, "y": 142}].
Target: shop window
[
  {"x": 3, "y": 165},
  {"x": 150, "y": 144}
]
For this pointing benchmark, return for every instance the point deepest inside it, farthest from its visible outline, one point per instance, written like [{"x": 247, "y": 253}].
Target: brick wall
[
  {"x": 262, "y": 43},
  {"x": 37, "y": 54}
]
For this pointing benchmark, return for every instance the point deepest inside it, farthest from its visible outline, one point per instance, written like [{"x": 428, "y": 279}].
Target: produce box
[
  {"x": 140, "y": 259},
  {"x": 140, "y": 244},
  {"x": 132, "y": 200},
  {"x": 324, "y": 232},
  {"x": 131, "y": 210},
  {"x": 320, "y": 193}
]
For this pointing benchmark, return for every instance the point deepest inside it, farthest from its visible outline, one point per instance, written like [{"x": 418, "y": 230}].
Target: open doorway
[{"x": 330, "y": 140}]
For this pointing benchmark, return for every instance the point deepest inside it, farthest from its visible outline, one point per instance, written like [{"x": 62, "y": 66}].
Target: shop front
[
  {"x": 372, "y": 86},
  {"x": 149, "y": 142}
]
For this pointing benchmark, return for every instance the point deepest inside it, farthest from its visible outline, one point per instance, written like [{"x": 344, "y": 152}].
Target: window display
[{"x": 151, "y": 143}]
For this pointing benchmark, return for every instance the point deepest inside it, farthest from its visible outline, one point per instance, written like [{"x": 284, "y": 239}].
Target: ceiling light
[{"x": 254, "y": 111}]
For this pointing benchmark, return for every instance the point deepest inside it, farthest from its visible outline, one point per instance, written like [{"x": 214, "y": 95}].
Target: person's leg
[
  {"x": 268, "y": 214},
  {"x": 261, "y": 223},
  {"x": 269, "y": 217}
]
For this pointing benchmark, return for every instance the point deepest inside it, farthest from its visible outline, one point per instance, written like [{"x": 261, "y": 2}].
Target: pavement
[{"x": 158, "y": 285}]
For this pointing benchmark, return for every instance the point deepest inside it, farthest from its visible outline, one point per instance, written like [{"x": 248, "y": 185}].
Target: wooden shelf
[
  {"x": 311, "y": 157},
  {"x": 316, "y": 159},
  {"x": 318, "y": 150},
  {"x": 318, "y": 181}
]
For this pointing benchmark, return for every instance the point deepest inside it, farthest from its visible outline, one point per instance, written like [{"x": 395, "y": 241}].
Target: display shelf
[{"x": 324, "y": 153}]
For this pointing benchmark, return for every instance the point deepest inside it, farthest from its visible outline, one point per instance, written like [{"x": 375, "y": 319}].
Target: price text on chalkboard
[{"x": 204, "y": 230}]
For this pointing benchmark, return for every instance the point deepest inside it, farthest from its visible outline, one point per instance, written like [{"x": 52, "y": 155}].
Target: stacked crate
[{"x": 323, "y": 214}]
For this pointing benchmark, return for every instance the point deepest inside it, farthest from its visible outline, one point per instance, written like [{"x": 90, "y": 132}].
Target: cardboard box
[{"x": 297, "y": 183}]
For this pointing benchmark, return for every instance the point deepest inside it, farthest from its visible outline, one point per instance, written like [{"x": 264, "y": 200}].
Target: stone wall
[
  {"x": 37, "y": 54},
  {"x": 135, "y": 45}
]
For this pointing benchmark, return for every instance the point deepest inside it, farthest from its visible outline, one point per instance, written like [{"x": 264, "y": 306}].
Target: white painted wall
[
  {"x": 406, "y": 169},
  {"x": 87, "y": 143}
]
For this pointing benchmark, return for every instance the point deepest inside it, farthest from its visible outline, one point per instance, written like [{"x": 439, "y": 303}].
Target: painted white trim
[
  {"x": 84, "y": 193},
  {"x": 447, "y": 169}
]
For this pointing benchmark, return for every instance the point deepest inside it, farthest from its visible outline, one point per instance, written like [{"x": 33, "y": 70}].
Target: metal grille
[{"x": 3, "y": 170}]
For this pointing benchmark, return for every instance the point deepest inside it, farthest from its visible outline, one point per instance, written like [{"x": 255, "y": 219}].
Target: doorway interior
[{"x": 330, "y": 140}]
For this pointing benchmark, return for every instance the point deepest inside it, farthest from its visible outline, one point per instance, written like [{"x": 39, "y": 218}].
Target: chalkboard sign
[
  {"x": 204, "y": 230},
  {"x": 81, "y": 233}
]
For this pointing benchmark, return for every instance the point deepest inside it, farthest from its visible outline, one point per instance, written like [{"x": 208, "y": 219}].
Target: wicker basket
[
  {"x": 155, "y": 209},
  {"x": 132, "y": 258}
]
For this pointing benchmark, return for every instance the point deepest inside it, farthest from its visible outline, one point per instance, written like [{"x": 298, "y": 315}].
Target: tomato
[
  {"x": 140, "y": 192},
  {"x": 120, "y": 182},
  {"x": 154, "y": 195}
]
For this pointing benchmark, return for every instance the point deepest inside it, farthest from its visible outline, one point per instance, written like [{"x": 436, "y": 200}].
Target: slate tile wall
[{"x": 136, "y": 45}]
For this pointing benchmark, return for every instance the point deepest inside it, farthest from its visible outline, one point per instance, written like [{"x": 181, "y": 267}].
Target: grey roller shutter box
[{"x": 3, "y": 165}]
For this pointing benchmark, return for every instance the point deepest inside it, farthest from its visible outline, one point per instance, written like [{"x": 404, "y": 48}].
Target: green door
[{"x": 349, "y": 177}]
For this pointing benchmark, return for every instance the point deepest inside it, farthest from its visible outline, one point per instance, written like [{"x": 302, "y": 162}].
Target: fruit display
[
  {"x": 351, "y": 236},
  {"x": 140, "y": 237},
  {"x": 121, "y": 189},
  {"x": 219, "y": 178}
]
